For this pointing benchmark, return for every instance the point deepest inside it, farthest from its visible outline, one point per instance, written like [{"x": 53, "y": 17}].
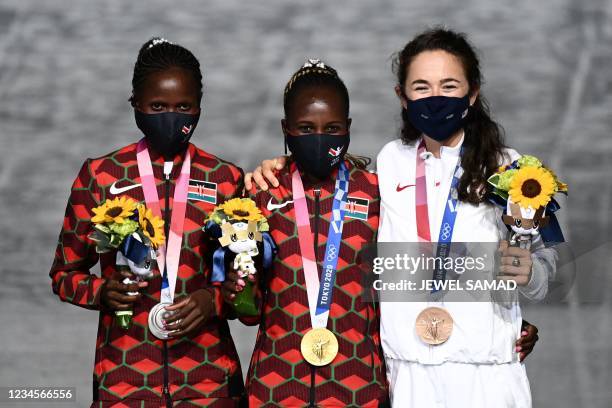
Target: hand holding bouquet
[{"x": 130, "y": 229}]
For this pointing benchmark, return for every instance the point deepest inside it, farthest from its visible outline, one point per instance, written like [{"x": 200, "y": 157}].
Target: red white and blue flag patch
[
  {"x": 202, "y": 191},
  {"x": 187, "y": 129},
  {"x": 335, "y": 152},
  {"x": 356, "y": 207}
]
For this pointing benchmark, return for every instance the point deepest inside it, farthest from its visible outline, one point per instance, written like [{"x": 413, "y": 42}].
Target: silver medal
[{"x": 156, "y": 320}]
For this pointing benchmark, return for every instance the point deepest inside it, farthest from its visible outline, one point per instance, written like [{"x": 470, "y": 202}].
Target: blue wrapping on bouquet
[
  {"x": 218, "y": 265},
  {"x": 134, "y": 250}
]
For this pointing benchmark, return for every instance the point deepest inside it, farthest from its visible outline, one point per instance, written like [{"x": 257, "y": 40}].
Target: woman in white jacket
[{"x": 447, "y": 135}]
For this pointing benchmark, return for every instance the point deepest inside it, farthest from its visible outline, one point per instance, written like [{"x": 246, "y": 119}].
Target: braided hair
[
  {"x": 316, "y": 74},
  {"x": 158, "y": 54}
]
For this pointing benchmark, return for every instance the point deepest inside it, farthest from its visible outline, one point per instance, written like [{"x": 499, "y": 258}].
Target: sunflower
[
  {"x": 151, "y": 225},
  {"x": 532, "y": 187},
  {"x": 240, "y": 209},
  {"x": 115, "y": 210}
]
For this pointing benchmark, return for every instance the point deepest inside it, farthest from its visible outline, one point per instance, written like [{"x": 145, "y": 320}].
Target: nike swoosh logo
[
  {"x": 398, "y": 188},
  {"x": 271, "y": 206},
  {"x": 118, "y": 190}
]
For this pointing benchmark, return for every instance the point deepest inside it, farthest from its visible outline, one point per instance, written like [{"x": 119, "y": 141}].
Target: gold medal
[
  {"x": 319, "y": 346},
  {"x": 434, "y": 325}
]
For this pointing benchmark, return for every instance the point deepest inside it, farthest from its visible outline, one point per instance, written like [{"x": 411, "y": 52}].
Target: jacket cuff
[{"x": 217, "y": 300}]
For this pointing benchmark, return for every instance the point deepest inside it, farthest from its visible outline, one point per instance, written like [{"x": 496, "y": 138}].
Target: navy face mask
[
  {"x": 439, "y": 117},
  {"x": 168, "y": 133},
  {"x": 318, "y": 154}
]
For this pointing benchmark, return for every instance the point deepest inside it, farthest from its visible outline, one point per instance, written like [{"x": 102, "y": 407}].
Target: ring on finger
[{"x": 516, "y": 261}]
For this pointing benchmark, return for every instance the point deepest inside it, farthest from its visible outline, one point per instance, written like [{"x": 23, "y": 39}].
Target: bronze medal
[
  {"x": 434, "y": 325},
  {"x": 319, "y": 346}
]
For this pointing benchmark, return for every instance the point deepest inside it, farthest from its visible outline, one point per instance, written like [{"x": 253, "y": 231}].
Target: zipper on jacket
[
  {"x": 313, "y": 369},
  {"x": 167, "y": 170}
]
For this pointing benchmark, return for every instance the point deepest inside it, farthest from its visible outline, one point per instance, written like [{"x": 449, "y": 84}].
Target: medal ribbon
[
  {"x": 169, "y": 253},
  {"x": 320, "y": 291},
  {"x": 422, "y": 210}
]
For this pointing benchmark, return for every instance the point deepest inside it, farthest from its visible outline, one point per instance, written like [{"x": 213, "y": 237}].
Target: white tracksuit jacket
[{"x": 484, "y": 333}]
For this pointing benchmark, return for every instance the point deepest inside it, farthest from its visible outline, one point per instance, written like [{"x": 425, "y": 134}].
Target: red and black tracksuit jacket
[
  {"x": 132, "y": 367},
  {"x": 278, "y": 375}
]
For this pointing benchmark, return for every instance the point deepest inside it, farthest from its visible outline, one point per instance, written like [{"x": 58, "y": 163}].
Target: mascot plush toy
[{"x": 240, "y": 229}]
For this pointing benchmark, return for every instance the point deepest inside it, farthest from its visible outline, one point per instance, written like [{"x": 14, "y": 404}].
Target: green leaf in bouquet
[
  {"x": 494, "y": 179},
  {"x": 503, "y": 194},
  {"x": 263, "y": 225},
  {"x": 102, "y": 228},
  {"x": 115, "y": 240},
  {"x": 101, "y": 239},
  {"x": 124, "y": 229},
  {"x": 218, "y": 216}
]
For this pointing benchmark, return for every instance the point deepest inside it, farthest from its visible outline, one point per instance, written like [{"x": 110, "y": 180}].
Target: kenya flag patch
[
  {"x": 202, "y": 191},
  {"x": 356, "y": 207}
]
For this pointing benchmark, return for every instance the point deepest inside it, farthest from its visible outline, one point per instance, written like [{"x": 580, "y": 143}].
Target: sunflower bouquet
[
  {"x": 130, "y": 229},
  {"x": 239, "y": 226},
  {"x": 527, "y": 188}
]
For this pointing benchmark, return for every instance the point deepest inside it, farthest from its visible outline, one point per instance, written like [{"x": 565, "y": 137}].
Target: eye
[
  {"x": 251, "y": 235},
  {"x": 305, "y": 129},
  {"x": 184, "y": 107},
  {"x": 234, "y": 237},
  {"x": 518, "y": 223},
  {"x": 157, "y": 106},
  {"x": 332, "y": 129},
  {"x": 449, "y": 87},
  {"x": 421, "y": 88}
]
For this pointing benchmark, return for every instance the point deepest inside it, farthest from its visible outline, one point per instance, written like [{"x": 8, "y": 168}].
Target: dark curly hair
[{"x": 484, "y": 138}]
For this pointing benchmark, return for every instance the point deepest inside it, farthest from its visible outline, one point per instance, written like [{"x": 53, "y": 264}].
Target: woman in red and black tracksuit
[
  {"x": 316, "y": 128},
  {"x": 198, "y": 365}
]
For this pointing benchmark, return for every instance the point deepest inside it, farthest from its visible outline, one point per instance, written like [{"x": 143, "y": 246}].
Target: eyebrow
[
  {"x": 444, "y": 81},
  {"x": 310, "y": 123}
]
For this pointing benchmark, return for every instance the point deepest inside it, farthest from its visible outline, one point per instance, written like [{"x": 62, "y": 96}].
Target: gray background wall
[{"x": 65, "y": 70}]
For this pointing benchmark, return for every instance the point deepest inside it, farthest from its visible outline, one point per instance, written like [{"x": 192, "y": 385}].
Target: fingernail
[
  {"x": 275, "y": 184},
  {"x": 524, "y": 333},
  {"x": 240, "y": 282},
  {"x": 232, "y": 296},
  {"x": 264, "y": 188},
  {"x": 239, "y": 288},
  {"x": 518, "y": 348}
]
